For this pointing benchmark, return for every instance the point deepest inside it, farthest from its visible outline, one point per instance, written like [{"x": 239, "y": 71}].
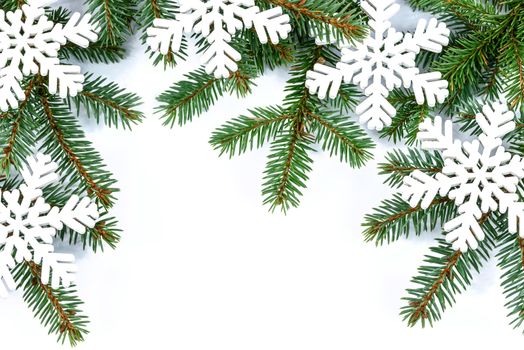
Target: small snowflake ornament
[
  {"x": 383, "y": 61},
  {"x": 218, "y": 21},
  {"x": 28, "y": 225},
  {"x": 480, "y": 176},
  {"x": 29, "y": 44}
]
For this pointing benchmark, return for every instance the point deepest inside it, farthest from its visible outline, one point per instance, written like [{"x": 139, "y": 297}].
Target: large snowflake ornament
[
  {"x": 218, "y": 21},
  {"x": 29, "y": 44},
  {"x": 480, "y": 176},
  {"x": 383, "y": 61},
  {"x": 28, "y": 225}
]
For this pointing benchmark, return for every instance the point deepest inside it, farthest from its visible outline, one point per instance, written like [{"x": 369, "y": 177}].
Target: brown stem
[
  {"x": 287, "y": 168},
  {"x": 300, "y": 9},
  {"x": 129, "y": 114},
  {"x": 107, "y": 12},
  {"x": 520, "y": 63},
  {"x": 156, "y": 8},
  {"x": 101, "y": 193},
  {"x": 420, "y": 306},
  {"x": 188, "y": 98},
  {"x": 520, "y": 242},
  {"x": 334, "y": 131},
  {"x": 378, "y": 225},
  {"x": 8, "y": 150},
  {"x": 398, "y": 169},
  {"x": 66, "y": 324}
]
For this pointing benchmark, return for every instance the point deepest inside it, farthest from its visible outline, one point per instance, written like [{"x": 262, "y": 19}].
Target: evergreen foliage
[
  {"x": 445, "y": 272},
  {"x": 301, "y": 121},
  {"x": 48, "y": 124}
]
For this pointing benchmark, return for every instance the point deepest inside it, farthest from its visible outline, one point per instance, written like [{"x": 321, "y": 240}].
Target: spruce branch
[
  {"x": 104, "y": 234},
  {"x": 293, "y": 128},
  {"x": 95, "y": 53},
  {"x": 99, "y": 52},
  {"x": 287, "y": 169},
  {"x": 445, "y": 273},
  {"x": 400, "y": 164},
  {"x": 395, "y": 218},
  {"x": 16, "y": 129},
  {"x": 58, "y": 310},
  {"x": 189, "y": 97},
  {"x": 114, "y": 18},
  {"x": 63, "y": 139},
  {"x": 486, "y": 54},
  {"x": 108, "y": 100},
  {"x": 44, "y": 122},
  {"x": 343, "y": 20},
  {"x": 511, "y": 261},
  {"x": 342, "y": 137},
  {"x": 249, "y": 132}
]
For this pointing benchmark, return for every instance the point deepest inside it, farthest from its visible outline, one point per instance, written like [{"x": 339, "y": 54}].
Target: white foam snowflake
[
  {"x": 383, "y": 61},
  {"x": 29, "y": 44},
  {"x": 28, "y": 225},
  {"x": 480, "y": 176},
  {"x": 218, "y": 21}
]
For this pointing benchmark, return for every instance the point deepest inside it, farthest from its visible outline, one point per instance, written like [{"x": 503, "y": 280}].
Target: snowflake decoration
[
  {"x": 28, "y": 225},
  {"x": 29, "y": 44},
  {"x": 480, "y": 176},
  {"x": 383, "y": 61},
  {"x": 218, "y": 21}
]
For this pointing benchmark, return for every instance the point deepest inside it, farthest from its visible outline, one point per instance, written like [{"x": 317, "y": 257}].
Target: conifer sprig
[
  {"x": 48, "y": 124},
  {"x": 486, "y": 54},
  {"x": 302, "y": 121},
  {"x": 445, "y": 272},
  {"x": 59, "y": 310},
  {"x": 511, "y": 261},
  {"x": 198, "y": 91},
  {"x": 292, "y": 129}
]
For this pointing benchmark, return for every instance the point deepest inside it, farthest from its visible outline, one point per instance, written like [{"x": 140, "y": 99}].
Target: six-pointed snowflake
[
  {"x": 29, "y": 44},
  {"x": 218, "y": 21},
  {"x": 480, "y": 176},
  {"x": 28, "y": 225},
  {"x": 383, "y": 61}
]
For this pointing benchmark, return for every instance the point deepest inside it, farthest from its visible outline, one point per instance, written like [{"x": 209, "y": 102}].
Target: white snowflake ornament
[
  {"x": 218, "y": 21},
  {"x": 382, "y": 62},
  {"x": 29, "y": 44},
  {"x": 28, "y": 225},
  {"x": 480, "y": 176}
]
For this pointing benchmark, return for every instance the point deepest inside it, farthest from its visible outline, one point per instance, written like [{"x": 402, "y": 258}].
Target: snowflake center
[
  {"x": 484, "y": 176},
  {"x": 378, "y": 56},
  {"x": 22, "y": 41}
]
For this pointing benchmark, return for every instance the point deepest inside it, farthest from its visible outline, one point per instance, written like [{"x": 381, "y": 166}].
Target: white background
[{"x": 203, "y": 265}]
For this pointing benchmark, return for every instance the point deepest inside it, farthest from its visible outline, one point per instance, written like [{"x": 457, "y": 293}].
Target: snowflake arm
[
  {"x": 422, "y": 188},
  {"x": 7, "y": 282},
  {"x": 495, "y": 121},
  {"x": 382, "y": 62},
  {"x": 39, "y": 172},
  {"x": 165, "y": 35},
  {"x": 464, "y": 231},
  {"x": 437, "y": 135},
  {"x": 218, "y": 21},
  {"x": 430, "y": 35},
  {"x": 376, "y": 110}
]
